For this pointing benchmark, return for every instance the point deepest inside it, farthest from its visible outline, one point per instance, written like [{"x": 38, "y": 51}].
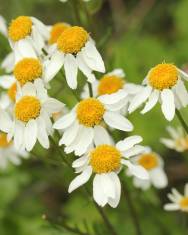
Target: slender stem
[
  {"x": 108, "y": 224},
  {"x": 132, "y": 209},
  {"x": 182, "y": 121},
  {"x": 90, "y": 89}
]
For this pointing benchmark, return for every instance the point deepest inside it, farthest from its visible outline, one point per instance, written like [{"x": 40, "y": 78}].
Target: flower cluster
[{"x": 28, "y": 114}]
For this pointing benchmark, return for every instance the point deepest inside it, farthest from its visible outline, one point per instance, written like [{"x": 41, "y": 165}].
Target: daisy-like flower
[
  {"x": 164, "y": 83},
  {"x": 8, "y": 153},
  {"x": 82, "y": 125},
  {"x": 178, "y": 201},
  {"x": 111, "y": 85},
  {"x": 178, "y": 139},
  {"x": 75, "y": 50},
  {"x": 105, "y": 161},
  {"x": 27, "y": 36},
  {"x": 154, "y": 165},
  {"x": 31, "y": 116}
]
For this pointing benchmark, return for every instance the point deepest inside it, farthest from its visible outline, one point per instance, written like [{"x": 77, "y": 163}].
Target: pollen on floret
[
  {"x": 3, "y": 140},
  {"x": 27, "y": 70},
  {"x": 90, "y": 112},
  {"x": 163, "y": 76},
  {"x": 105, "y": 159},
  {"x": 148, "y": 161},
  {"x": 27, "y": 108},
  {"x": 184, "y": 203},
  {"x": 12, "y": 92},
  {"x": 56, "y": 31},
  {"x": 20, "y": 28},
  {"x": 110, "y": 84},
  {"x": 72, "y": 40}
]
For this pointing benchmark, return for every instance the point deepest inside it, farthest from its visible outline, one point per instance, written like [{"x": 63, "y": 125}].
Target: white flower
[
  {"x": 164, "y": 83},
  {"x": 3, "y": 26},
  {"x": 178, "y": 140},
  {"x": 27, "y": 36},
  {"x": 154, "y": 165},
  {"x": 105, "y": 161},
  {"x": 31, "y": 121},
  {"x": 112, "y": 85},
  {"x": 8, "y": 153},
  {"x": 179, "y": 201},
  {"x": 75, "y": 50},
  {"x": 82, "y": 125}
]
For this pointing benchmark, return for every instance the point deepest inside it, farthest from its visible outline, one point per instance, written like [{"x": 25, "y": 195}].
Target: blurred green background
[{"x": 133, "y": 35}]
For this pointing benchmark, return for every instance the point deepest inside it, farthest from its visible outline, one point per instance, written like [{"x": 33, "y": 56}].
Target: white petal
[
  {"x": 84, "y": 68},
  {"x": 168, "y": 104},
  {"x": 186, "y": 189},
  {"x": 171, "y": 207},
  {"x": 92, "y": 57},
  {"x": 80, "y": 179},
  {"x": 158, "y": 178},
  {"x": 42, "y": 135},
  {"x": 3, "y": 26},
  {"x": 151, "y": 102},
  {"x": 5, "y": 121},
  {"x": 173, "y": 132},
  {"x": 117, "y": 121},
  {"x": 184, "y": 74},
  {"x": 29, "y": 89},
  {"x": 8, "y": 62},
  {"x": 128, "y": 142},
  {"x": 25, "y": 48},
  {"x": 19, "y": 135},
  {"x": 113, "y": 98},
  {"x": 168, "y": 142},
  {"x": 181, "y": 93},
  {"x": 52, "y": 105},
  {"x": 55, "y": 64},
  {"x": 80, "y": 161},
  {"x": 30, "y": 134},
  {"x": 136, "y": 170},
  {"x": 98, "y": 192},
  {"x": 140, "y": 98},
  {"x": 101, "y": 136},
  {"x": 65, "y": 121},
  {"x": 70, "y": 134},
  {"x": 113, "y": 202},
  {"x": 137, "y": 149},
  {"x": 6, "y": 81},
  {"x": 71, "y": 70}
]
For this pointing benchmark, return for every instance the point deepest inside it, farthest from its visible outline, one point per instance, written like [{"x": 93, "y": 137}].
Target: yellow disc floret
[
  {"x": 90, "y": 112},
  {"x": 72, "y": 40},
  {"x": 104, "y": 159},
  {"x": 110, "y": 84},
  {"x": 184, "y": 203},
  {"x": 12, "y": 92},
  {"x": 27, "y": 108},
  {"x": 3, "y": 140},
  {"x": 148, "y": 161},
  {"x": 163, "y": 76},
  {"x": 56, "y": 31},
  {"x": 20, "y": 28},
  {"x": 27, "y": 70}
]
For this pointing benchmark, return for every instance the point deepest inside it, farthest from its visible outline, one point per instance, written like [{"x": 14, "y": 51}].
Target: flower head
[
  {"x": 164, "y": 83},
  {"x": 105, "y": 161}
]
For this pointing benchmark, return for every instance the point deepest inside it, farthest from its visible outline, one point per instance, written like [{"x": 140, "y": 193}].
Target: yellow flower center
[
  {"x": 27, "y": 70},
  {"x": 12, "y": 92},
  {"x": 20, "y": 28},
  {"x": 3, "y": 140},
  {"x": 163, "y": 76},
  {"x": 184, "y": 203},
  {"x": 110, "y": 84},
  {"x": 56, "y": 31},
  {"x": 72, "y": 40},
  {"x": 28, "y": 107},
  {"x": 148, "y": 161},
  {"x": 90, "y": 112},
  {"x": 104, "y": 159},
  {"x": 182, "y": 143}
]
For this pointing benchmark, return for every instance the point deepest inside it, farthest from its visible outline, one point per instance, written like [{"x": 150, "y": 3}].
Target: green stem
[
  {"x": 182, "y": 121},
  {"x": 90, "y": 89},
  {"x": 132, "y": 209}
]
